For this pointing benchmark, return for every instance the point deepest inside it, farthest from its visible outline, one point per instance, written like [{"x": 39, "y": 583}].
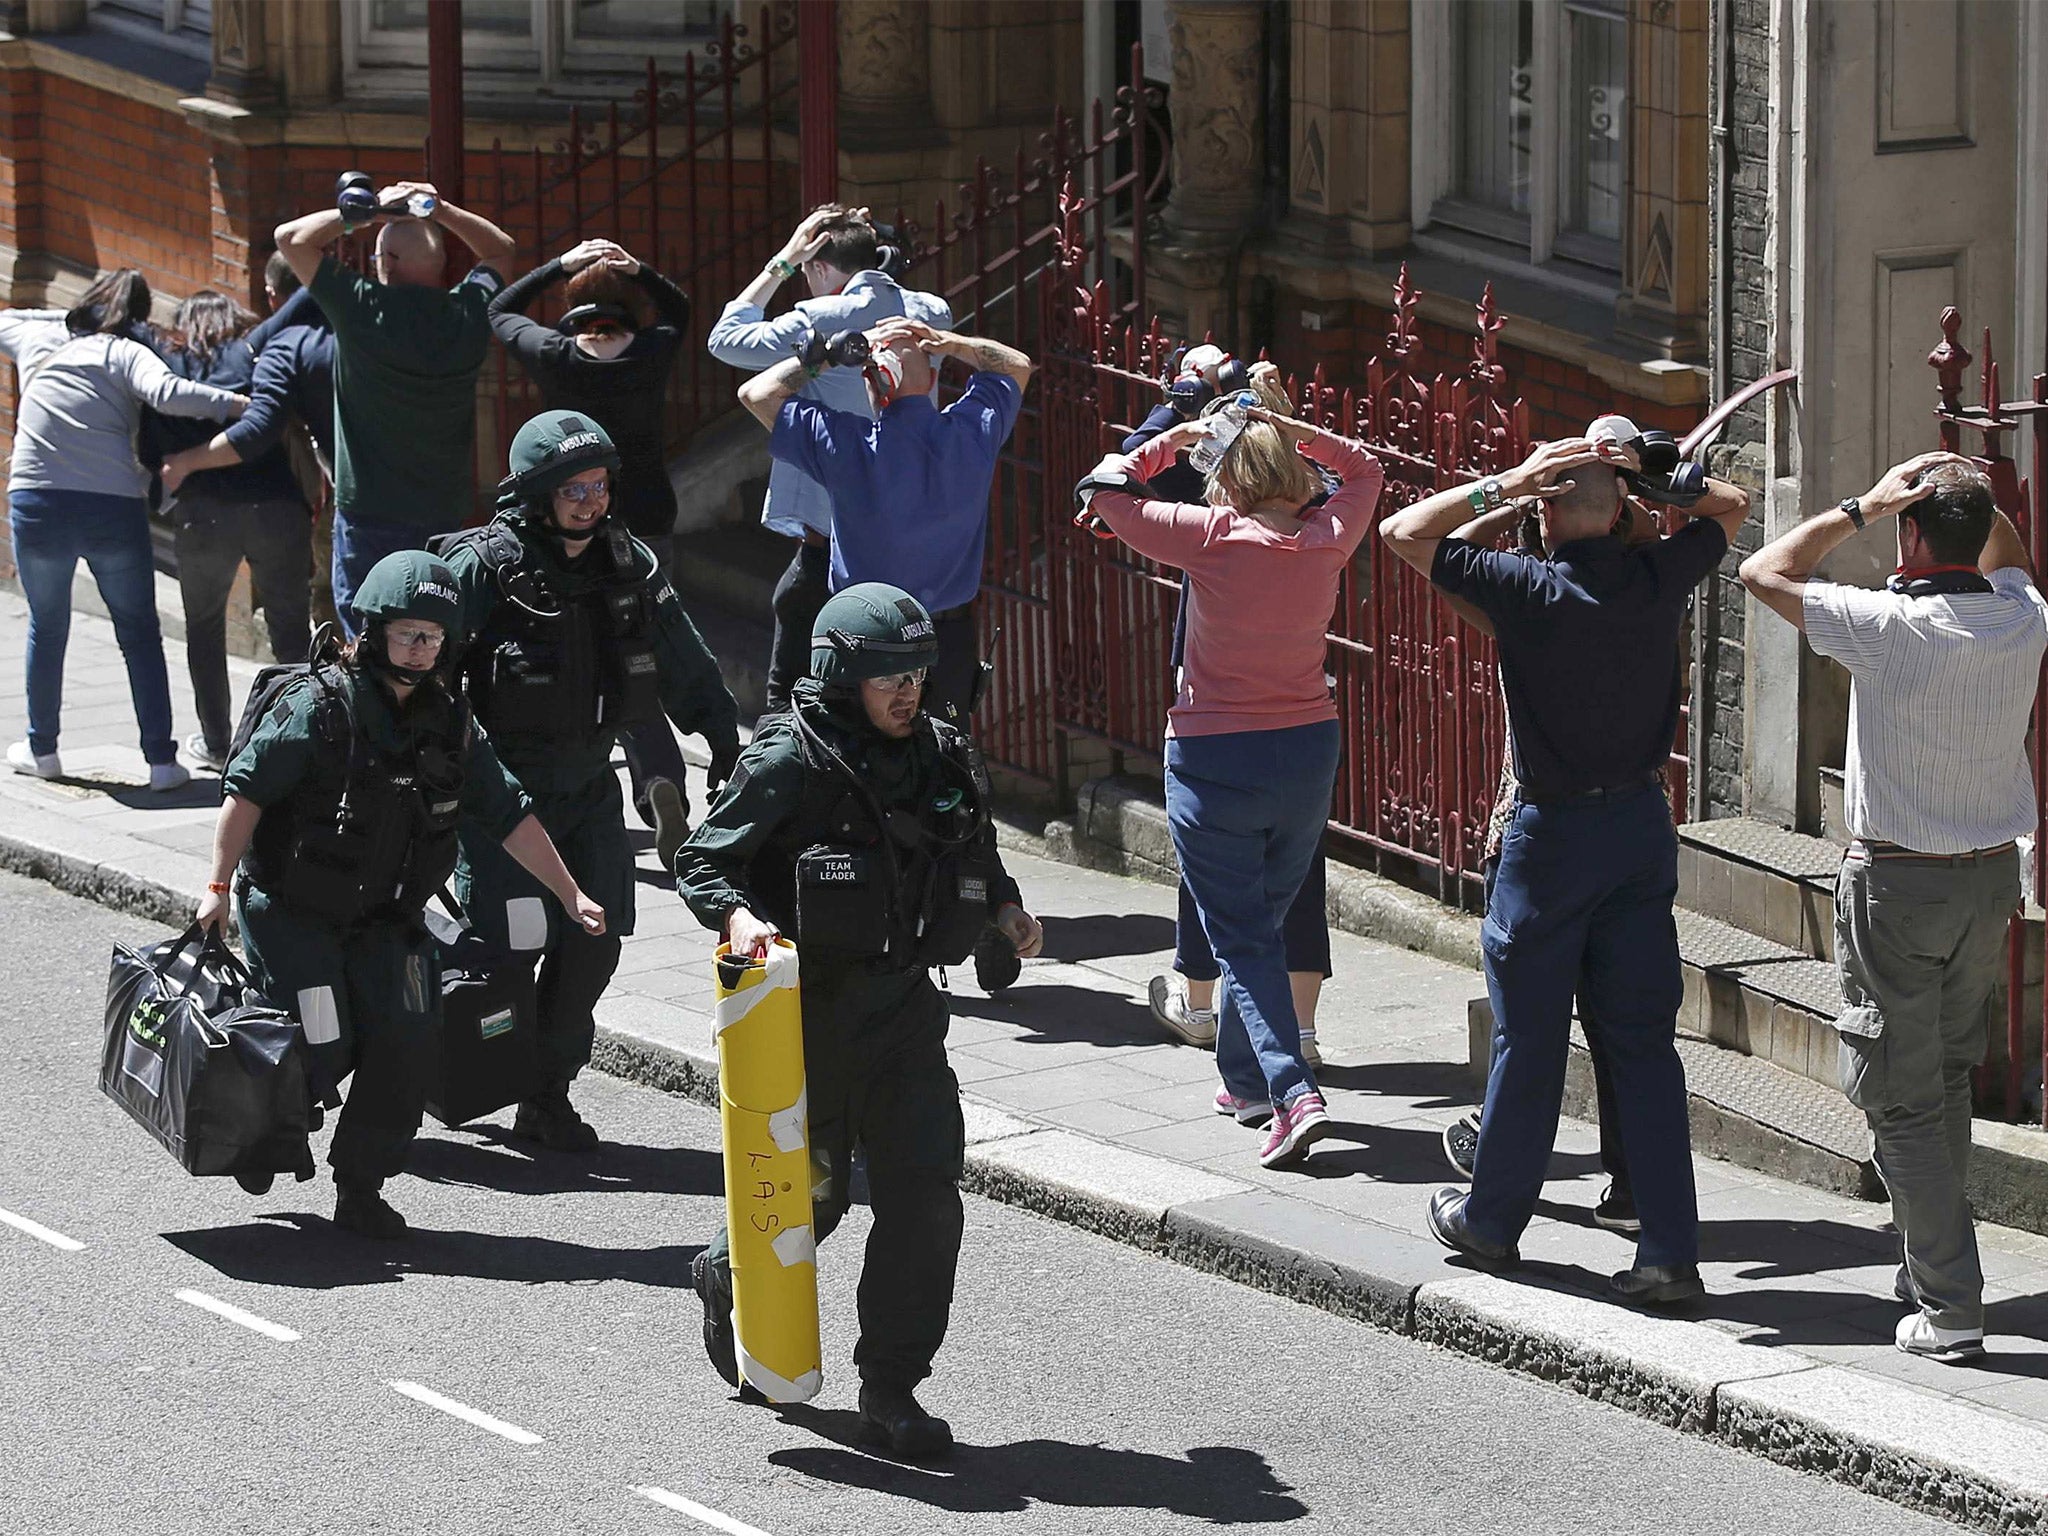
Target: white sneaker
[
  {"x": 200, "y": 753},
  {"x": 1309, "y": 1053},
  {"x": 1917, "y": 1335},
  {"x": 168, "y": 776},
  {"x": 1191, "y": 1026},
  {"x": 41, "y": 765}
]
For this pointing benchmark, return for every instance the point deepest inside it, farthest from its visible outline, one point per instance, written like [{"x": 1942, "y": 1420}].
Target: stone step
[
  {"x": 1757, "y": 996},
  {"x": 734, "y": 567},
  {"x": 740, "y": 642},
  {"x": 1761, "y": 878}
]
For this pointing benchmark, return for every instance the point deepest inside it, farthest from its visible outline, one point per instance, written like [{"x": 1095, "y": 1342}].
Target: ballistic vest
[
  {"x": 369, "y": 834},
  {"x": 562, "y": 659},
  {"x": 894, "y": 887}
]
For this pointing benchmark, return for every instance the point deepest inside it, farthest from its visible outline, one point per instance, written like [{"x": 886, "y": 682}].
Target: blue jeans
[
  {"x": 358, "y": 545},
  {"x": 1306, "y": 931},
  {"x": 1582, "y": 903},
  {"x": 53, "y": 530},
  {"x": 1247, "y": 811}
]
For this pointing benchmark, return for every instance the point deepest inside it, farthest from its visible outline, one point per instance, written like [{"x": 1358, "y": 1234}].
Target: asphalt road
[{"x": 1094, "y": 1389}]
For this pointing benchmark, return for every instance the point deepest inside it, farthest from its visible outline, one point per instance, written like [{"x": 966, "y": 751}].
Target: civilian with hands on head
[
  {"x": 1581, "y": 901},
  {"x": 574, "y": 636},
  {"x": 839, "y": 252},
  {"x": 1184, "y": 1000},
  {"x": 1252, "y": 739},
  {"x": 222, "y": 516},
  {"x": 1943, "y": 664},
  {"x": 407, "y": 355},
  {"x": 608, "y": 361},
  {"x": 339, "y": 825},
  {"x": 860, "y": 825},
  {"x": 76, "y": 491}
]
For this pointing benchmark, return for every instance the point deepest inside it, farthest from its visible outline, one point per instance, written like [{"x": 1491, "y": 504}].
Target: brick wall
[{"x": 1743, "y": 202}]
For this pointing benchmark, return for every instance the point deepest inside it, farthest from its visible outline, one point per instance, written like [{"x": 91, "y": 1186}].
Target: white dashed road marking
[
  {"x": 464, "y": 1412},
  {"x": 700, "y": 1512},
  {"x": 41, "y": 1233},
  {"x": 234, "y": 1314}
]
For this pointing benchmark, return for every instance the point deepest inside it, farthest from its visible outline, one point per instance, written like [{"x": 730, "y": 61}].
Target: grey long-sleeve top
[{"x": 74, "y": 429}]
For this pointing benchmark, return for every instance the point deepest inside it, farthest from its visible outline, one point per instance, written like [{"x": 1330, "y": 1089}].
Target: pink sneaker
[
  {"x": 1294, "y": 1127},
  {"x": 1247, "y": 1111}
]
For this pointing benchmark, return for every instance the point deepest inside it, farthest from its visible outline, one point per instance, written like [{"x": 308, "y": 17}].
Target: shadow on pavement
[
  {"x": 1062, "y": 1011},
  {"x": 614, "y": 1166},
  {"x": 1104, "y": 935},
  {"x": 296, "y": 1248},
  {"x": 1432, "y": 1084},
  {"x": 1221, "y": 1484},
  {"x": 203, "y": 793},
  {"x": 1402, "y": 1154}
]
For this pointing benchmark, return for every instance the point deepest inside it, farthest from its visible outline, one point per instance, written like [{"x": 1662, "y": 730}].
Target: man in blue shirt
[
  {"x": 839, "y": 254},
  {"x": 1588, "y": 638},
  {"x": 909, "y": 488}
]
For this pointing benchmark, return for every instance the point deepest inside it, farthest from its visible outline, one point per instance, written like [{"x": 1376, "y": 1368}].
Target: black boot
[
  {"x": 996, "y": 965},
  {"x": 552, "y": 1121},
  {"x": 718, "y": 1336},
  {"x": 361, "y": 1208},
  {"x": 892, "y": 1420},
  {"x": 256, "y": 1183}
]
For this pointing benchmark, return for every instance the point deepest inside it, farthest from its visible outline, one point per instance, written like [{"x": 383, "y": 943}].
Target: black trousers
[
  {"x": 879, "y": 1083},
  {"x": 949, "y": 688},
  {"x": 801, "y": 592},
  {"x": 651, "y": 749}
]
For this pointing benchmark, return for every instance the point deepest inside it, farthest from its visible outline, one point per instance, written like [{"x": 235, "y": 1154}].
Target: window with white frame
[
  {"x": 1521, "y": 130},
  {"x": 511, "y": 44},
  {"x": 184, "y": 26}
]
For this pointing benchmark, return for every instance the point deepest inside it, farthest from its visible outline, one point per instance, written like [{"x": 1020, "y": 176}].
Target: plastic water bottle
[{"x": 1225, "y": 426}]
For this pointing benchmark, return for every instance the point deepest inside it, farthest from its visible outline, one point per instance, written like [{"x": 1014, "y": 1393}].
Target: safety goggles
[
  {"x": 576, "y": 493},
  {"x": 410, "y": 638},
  {"x": 896, "y": 682}
]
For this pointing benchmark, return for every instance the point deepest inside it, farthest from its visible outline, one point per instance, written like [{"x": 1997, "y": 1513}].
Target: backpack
[{"x": 336, "y": 716}]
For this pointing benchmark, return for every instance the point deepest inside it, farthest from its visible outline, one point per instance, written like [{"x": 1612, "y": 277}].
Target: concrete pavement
[{"x": 1079, "y": 1109}]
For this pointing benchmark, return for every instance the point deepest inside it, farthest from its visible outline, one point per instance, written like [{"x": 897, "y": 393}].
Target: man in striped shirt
[{"x": 1943, "y": 663}]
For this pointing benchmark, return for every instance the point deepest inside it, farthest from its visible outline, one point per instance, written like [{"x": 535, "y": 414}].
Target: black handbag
[
  {"x": 203, "y": 1062},
  {"x": 487, "y": 1052}
]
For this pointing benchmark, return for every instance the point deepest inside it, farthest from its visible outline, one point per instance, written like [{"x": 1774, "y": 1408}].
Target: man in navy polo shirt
[
  {"x": 1588, "y": 637},
  {"x": 909, "y": 488}
]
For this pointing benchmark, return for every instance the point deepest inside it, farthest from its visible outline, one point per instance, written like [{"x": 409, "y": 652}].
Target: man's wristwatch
[
  {"x": 782, "y": 268},
  {"x": 1488, "y": 494},
  {"x": 1852, "y": 509}
]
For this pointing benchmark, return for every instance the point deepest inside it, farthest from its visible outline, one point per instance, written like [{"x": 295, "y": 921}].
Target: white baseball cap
[{"x": 1613, "y": 429}]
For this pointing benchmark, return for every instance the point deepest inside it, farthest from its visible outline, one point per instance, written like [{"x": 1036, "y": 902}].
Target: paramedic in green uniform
[
  {"x": 575, "y": 635},
  {"x": 339, "y": 824},
  {"x": 859, "y": 825}
]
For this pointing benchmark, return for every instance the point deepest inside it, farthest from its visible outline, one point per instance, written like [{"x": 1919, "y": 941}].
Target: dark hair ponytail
[{"x": 116, "y": 301}]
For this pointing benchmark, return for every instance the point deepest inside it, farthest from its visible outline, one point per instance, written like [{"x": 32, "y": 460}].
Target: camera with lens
[
  {"x": 1186, "y": 386},
  {"x": 845, "y": 349},
  {"x": 1665, "y": 479},
  {"x": 355, "y": 195}
]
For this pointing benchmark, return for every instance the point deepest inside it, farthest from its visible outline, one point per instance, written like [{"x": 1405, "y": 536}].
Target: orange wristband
[{"x": 217, "y": 887}]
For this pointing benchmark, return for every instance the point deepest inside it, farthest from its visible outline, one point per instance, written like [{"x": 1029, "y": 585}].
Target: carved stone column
[
  {"x": 54, "y": 15},
  {"x": 1217, "y": 116},
  {"x": 884, "y": 69},
  {"x": 1663, "y": 304},
  {"x": 239, "y": 73},
  {"x": 1348, "y": 132}
]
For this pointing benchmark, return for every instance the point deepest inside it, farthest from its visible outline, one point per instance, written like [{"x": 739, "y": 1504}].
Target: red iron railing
[
  {"x": 1987, "y": 423},
  {"x": 691, "y": 175}
]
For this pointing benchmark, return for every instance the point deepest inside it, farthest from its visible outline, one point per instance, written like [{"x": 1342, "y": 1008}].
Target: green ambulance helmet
[
  {"x": 411, "y": 584},
  {"x": 548, "y": 450},
  {"x": 871, "y": 630}
]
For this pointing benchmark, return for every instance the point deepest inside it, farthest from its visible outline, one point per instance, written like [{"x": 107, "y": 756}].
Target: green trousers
[
  {"x": 505, "y": 903},
  {"x": 879, "y": 1085},
  {"x": 369, "y": 1000}
]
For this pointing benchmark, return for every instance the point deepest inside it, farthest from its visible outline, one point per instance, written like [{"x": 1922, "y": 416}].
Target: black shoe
[
  {"x": 1447, "y": 1221},
  {"x": 996, "y": 965},
  {"x": 256, "y": 1183},
  {"x": 553, "y": 1122},
  {"x": 1617, "y": 1211},
  {"x": 364, "y": 1212},
  {"x": 1902, "y": 1288},
  {"x": 1461, "y": 1144},
  {"x": 719, "y": 1343},
  {"x": 671, "y": 820},
  {"x": 1657, "y": 1285},
  {"x": 891, "y": 1420}
]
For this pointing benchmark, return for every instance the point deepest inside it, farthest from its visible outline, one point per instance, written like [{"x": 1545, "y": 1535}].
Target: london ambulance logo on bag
[{"x": 142, "y": 1053}]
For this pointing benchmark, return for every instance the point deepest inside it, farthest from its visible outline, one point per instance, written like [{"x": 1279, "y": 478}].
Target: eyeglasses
[
  {"x": 416, "y": 639},
  {"x": 589, "y": 490},
  {"x": 896, "y": 682}
]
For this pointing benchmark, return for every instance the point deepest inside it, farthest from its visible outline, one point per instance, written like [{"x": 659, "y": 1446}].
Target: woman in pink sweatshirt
[{"x": 1251, "y": 739}]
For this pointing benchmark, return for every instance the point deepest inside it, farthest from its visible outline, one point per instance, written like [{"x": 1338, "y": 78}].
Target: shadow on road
[
  {"x": 1059, "y": 1010},
  {"x": 1103, "y": 936},
  {"x": 296, "y": 1248},
  {"x": 1220, "y": 1484},
  {"x": 480, "y": 1164},
  {"x": 1432, "y": 1084}
]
